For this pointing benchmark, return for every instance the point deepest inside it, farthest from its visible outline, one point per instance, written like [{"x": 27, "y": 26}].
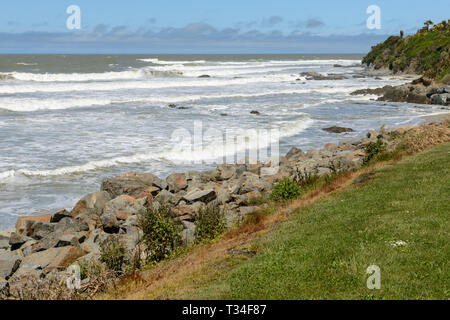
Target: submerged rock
[{"x": 335, "y": 129}]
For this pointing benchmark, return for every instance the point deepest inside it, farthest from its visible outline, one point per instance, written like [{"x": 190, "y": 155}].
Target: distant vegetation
[{"x": 427, "y": 52}]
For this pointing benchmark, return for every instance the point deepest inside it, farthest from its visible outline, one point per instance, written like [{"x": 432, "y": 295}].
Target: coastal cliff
[{"x": 427, "y": 53}]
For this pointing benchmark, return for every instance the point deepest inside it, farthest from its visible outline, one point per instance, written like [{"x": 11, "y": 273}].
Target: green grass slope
[
  {"x": 323, "y": 251},
  {"x": 427, "y": 52}
]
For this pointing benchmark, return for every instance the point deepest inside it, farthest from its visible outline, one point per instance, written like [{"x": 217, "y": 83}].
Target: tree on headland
[
  {"x": 428, "y": 24},
  {"x": 402, "y": 33}
]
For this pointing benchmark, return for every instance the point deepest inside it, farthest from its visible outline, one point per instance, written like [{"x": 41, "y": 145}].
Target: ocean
[{"x": 69, "y": 121}]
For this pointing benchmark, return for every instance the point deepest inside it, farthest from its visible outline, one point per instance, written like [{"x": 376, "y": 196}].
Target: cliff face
[{"x": 427, "y": 53}]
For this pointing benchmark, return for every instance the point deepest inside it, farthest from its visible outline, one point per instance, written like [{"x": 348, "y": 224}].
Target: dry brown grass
[
  {"x": 179, "y": 277},
  {"x": 421, "y": 138}
]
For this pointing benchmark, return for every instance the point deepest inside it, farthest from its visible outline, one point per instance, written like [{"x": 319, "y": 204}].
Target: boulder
[
  {"x": 40, "y": 230},
  {"x": 22, "y": 221},
  {"x": 166, "y": 197},
  {"x": 9, "y": 262},
  {"x": 73, "y": 225},
  {"x": 59, "y": 215},
  {"x": 335, "y": 129},
  {"x": 294, "y": 153},
  {"x": 110, "y": 223},
  {"x": 94, "y": 241},
  {"x": 17, "y": 240},
  {"x": 71, "y": 239},
  {"x": 54, "y": 258},
  {"x": 177, "y": 182},
  {"x": 440, "y": 99},
  {"x": 132, "y": 184},
  {"x": 188, "y": 233},
  {"x": 251, "y": 182},
  {"x": 227, "y": 171},
  {"x": 124, "y": 206},
  {"x": 92, "y": 204},
  {"x": 445, "y": 89},
  {"x": 204, "y": 196},
  {"x": 4, "y": 242}
]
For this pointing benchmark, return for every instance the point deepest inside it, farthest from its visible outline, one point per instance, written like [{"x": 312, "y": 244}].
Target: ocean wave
[
  {"x": 176, "y": 62},
  {"x": 150, "y": 84},
  {"x": 30, "y": 105},
  {"x": 83, "y": 77},
  {"x": 177, "y": 154}
]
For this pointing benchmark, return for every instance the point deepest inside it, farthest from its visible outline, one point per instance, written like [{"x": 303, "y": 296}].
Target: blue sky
[{"x": 208, "y": 26}]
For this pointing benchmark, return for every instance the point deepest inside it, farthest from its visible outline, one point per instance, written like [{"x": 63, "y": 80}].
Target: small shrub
[
  {"x": 374, "y": 149},
  {"x": 286, "y": 189},
  {"x": 306, "y": 179},
  {"x": 160, "y": 232},
  {"x": 113, "y": 254},
  {"x": 210, "y": 224}
]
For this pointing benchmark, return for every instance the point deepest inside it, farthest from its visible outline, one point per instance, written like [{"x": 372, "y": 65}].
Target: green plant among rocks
[
  {"x": 286, "y": 189},
  {"x": 210, "y": 224},
  {"x": 161, "y": 235},
  {"x": 113, "y": 254},
  {"x": 374, "y": 150}
]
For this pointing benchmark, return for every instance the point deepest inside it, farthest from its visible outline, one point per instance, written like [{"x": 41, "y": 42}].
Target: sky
[{"x": 208, "y": 26}]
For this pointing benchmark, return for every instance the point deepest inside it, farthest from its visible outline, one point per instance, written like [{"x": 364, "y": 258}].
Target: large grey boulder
[
  {"x": 40, "y": 230},
  {"x": 17, "y": 240},
  {"x": 440, "y": 99},
  {"x": 195, "y": 195},
  {"x": 124, "y": 206},
  {"x": 177, "y": 182},
  {"x": 166, "y": 197},
  {"x": 73, "y": 225},
  {"x": 9, "y": 262},
  {"x": 132, "y": 184},
  {"x": 92, "y": 204},
  {"x": 51, "y": 259}
]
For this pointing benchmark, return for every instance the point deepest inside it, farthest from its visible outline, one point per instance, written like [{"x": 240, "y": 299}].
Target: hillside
[{"x": 427, "y": 52}]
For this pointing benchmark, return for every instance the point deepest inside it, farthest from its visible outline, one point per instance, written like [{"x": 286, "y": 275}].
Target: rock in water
[{"x": 336, "y": 129}]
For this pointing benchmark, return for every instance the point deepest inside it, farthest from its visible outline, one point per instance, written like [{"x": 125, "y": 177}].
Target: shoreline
[{"x": 427, "y": 119}]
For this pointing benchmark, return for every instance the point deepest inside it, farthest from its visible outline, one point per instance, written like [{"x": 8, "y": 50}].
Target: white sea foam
[
  {"x": 207, "y": 153},
  {"x": 120, "y": 85},
  {"x": 29, "y": 105}
]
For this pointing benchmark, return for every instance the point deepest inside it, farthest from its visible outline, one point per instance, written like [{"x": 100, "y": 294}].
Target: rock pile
[{"x": 422, "y": 90}]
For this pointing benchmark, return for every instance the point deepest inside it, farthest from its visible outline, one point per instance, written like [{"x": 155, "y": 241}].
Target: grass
[{"x": 323, "y": 250}]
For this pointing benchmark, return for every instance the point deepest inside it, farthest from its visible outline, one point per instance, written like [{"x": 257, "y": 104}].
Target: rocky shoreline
[
  {"x": 40, "y": 247},
  {"x": 421, "y": 90}
]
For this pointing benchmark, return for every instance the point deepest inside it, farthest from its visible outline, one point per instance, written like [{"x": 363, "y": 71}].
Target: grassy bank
[{"x": 323, "y": 251}]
